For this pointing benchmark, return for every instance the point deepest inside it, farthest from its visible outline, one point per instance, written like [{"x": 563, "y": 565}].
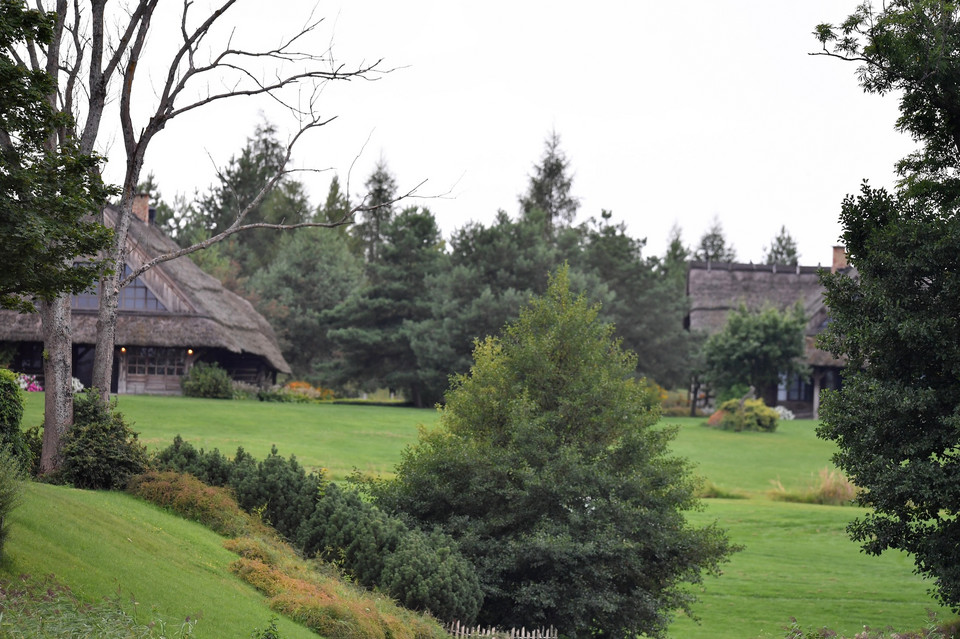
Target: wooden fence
[{"x": 465, "y": 632}]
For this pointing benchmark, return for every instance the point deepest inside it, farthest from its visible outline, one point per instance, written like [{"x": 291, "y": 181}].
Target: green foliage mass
[
  {"x": 313, "y": 272},
  {"x": 11, "y": 415},
  {"x": 11, "y": 489},
  {"x": 752, "y": 415},
  {"x": 207, "y": 380},
  {"x": 100, "y": 451},
  {"x": 896, "y": 418},
  {"x": 895, "y": 319},
  {"x": 49, "y": 188},
  {"x": 756, "y": 348},
  {"x": 547, "y": 472},
  {"x": 421, "y": 571},
  {"x": 370, "y": 328}
]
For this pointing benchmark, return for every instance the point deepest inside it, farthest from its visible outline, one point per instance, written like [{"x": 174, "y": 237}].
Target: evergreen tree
[
  {"x": 313, "y": 272},
  {"x": 782, "y": 250},
  {"x": 370, "y": 329},
  {"x": 547, "y": 470},
  {"x": 642, "y": 303},
  {"x": 492, "y": 271},
  {"x": 238, "y": 186},
  {"x": 549, "y": 188},
  {"x": 377, "y": 212},
  {"x": 713, "y": 246}
]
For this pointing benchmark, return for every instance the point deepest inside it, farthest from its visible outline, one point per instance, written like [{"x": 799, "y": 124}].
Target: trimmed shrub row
[{"x": 422, "y": 571}]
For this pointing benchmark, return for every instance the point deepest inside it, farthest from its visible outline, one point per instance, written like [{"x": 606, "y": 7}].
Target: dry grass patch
[{"x": 832, "y": 488}]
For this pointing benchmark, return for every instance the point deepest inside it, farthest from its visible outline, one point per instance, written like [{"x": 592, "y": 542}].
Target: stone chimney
[
  {"x": 141, "y": 207},
  {"x": 839, "y": 259}
]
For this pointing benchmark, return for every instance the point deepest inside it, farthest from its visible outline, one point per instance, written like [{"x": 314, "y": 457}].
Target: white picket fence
[{"x": 459, "y": 631}]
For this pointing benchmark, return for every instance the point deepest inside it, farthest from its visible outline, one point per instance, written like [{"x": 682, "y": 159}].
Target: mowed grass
[
  {"x": 105, "y": 544},
  {"x": 797, "y": 562},
  {"x": 337, "y": 437}
]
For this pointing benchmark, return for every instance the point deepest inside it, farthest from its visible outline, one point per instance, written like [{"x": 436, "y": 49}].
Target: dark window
[
  {"x": 149, "y": 360},
  {"x": 135, "y": 296}
]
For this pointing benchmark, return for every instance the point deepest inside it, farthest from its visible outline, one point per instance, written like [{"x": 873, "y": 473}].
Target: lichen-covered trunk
[{"x": 58, "y": 379}]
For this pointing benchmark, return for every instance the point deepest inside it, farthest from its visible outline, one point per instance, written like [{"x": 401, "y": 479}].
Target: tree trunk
[
  {"x": 109, "y": 298},
  {"x": 58, "y": 379}
]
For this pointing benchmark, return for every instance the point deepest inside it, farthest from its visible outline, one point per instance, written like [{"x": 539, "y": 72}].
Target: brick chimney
[
  {"x": 839, "y": 259},
  {"x": 141, "y": 207}
]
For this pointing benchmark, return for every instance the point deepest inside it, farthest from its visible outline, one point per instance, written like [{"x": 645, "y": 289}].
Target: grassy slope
[
  {"x": 798, "y": 561},
  {"x": 99, "y": 542}
]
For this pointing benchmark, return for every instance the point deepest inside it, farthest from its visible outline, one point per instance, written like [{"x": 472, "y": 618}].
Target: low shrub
[
  {"x": 336, "y": 525},
  {"x": 739, "y": 415},
  {"x": 709, "y": 490},
  {"x": 207, "y": 380},
  {"x": 101, "y": 451},
  {"x": 935, "y": 630},
  {"x": 190, "y": 498},
  {"x": 423, "y": 572}
]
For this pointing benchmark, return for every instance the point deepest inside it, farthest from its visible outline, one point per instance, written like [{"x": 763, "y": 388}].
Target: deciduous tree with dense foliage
[
  {"x": 548, "y": 471},
  {"x": 896, "y": 319},
  {"x": 48, "y": 188},
  {"x": 756, "y": 348}
]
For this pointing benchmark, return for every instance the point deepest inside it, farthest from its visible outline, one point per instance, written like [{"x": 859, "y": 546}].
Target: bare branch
[{"x": 237, "y": 227}]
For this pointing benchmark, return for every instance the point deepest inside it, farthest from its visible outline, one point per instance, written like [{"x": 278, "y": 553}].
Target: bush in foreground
[
  {"x": 547, "y": 470},
  {"x": 101, "y": 451}
]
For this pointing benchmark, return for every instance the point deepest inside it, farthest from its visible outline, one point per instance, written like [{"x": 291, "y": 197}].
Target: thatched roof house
[
  {"x": 714, "y": 289},
  {"x": 170, "y": 317}
]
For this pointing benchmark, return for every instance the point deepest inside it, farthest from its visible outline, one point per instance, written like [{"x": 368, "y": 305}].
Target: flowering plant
[{"x": 28, "y": 383}]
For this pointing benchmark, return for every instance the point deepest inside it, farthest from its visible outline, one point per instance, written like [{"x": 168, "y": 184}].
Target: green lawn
[
  {"x": 338, "y": 437},
  {"x": 797, "y": 559},
  {"x": 102, "y": 543}
]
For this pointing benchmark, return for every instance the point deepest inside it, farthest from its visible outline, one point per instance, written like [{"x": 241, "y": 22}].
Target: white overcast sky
[{"x": 669, "y": 112}]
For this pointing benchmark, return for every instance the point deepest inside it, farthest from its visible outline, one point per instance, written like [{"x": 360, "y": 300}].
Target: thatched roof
[
  {"x": 714, "y": 289},
  {"x": 200, "y": 313}
]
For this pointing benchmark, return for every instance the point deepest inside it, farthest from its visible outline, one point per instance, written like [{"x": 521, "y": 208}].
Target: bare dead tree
[{"x": 93, "y": 52}]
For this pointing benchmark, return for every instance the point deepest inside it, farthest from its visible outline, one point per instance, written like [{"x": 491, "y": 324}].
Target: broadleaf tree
[
  {"x": 895, "y": 317},
  {"x": 49, "y": 238},
  {"x": 548, "y": 471},
  {"x": 897, "y": 417},
  {"x": 757, "y": 348}
]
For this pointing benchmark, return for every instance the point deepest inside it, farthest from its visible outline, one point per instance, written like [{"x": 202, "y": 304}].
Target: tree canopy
[
  {"x": 756, "y": 348},
  {"x": 782, "y": 249},
  {"x": 51, "y": 192},
  {"x": 895, "y": 317},
  {"x": 713, "y": 246},
  {"x": 547, "y": 470}
]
